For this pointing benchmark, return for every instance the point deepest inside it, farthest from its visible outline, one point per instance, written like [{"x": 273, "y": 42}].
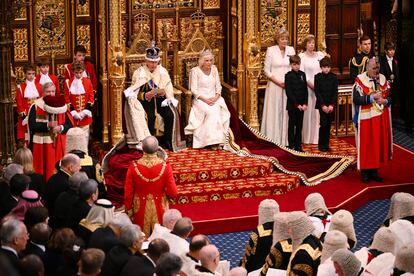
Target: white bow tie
[{"x": 76, "y": 88}]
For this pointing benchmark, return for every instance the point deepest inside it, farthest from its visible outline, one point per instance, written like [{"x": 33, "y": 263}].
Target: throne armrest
[
  {"x": 186, "y": 97},
  {"x": 231, "y": 93}
]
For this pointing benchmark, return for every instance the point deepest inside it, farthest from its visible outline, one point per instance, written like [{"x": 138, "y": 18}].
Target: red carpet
[{"x": 345, "y": 191}]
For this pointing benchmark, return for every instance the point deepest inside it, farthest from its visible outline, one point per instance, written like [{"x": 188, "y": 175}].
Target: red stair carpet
[{"x": 345, "y": 191}]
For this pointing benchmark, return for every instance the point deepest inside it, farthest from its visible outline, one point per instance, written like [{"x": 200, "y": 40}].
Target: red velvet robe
[
  {"x": 149, "y": 180},
  {"x": 89, "y": 69},
  {"x": 374, "y": 133},
  {"x": 80, "y": 102},
  {"x": 47, "y": 150},
  {"x": 23, "y": 104},
  {"x": 54, "y": 80}
]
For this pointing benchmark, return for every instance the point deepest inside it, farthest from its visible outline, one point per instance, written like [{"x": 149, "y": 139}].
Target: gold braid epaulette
[
  {"x": 150, "y": 179},
  {"x": 362, "y": 64}
]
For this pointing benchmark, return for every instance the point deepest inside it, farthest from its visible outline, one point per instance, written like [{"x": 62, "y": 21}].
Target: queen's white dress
[
  {"x": 275, "y": 116},
  {"x": 208, "y": 124},
  {"x": 310, "y": 130}
]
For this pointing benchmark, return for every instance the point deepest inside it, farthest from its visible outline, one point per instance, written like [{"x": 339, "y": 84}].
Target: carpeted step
[
  {"x": 273, "y": 184},
  {"x": 193, "y": 166}
]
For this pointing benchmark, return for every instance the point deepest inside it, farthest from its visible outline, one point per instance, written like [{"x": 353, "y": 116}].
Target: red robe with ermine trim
[
  {"x": 374, "y": 133},
  {"x": 148, "y": 181}
]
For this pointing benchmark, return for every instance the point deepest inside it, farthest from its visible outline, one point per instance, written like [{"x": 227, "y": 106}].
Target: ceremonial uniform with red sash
[
  {"x": 80, "y": 100},
  {"x": 88, "y": 73},
  {"x": 23, "y": 103},
  {"x": 373, "y": 122},
  {"x": 47, "y": 148},
  {"x": 52, "y": 77},
  {"x": 149, "y": 180}
]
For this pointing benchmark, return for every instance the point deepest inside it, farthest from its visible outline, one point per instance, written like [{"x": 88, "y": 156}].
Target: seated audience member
[
  {"x": 88, "y": 195},
  {"x": 107, "y": 237},
  {"x": 209, "y": 118},
  {"x": 169, "y": 218},
  {"x": 306, "y": 247},
  {"x": 318, "y": 213},
  {"x": 14, "y": 237},
  {"x": 260, "y": 240},
  {"x": 131, "y": 241},
  {"x": 334, "y": 240},
  {"x": 59, "y": 182},
  {"x": 176, "y": 239},
  {"x": 66, "y": 200},
  {"x": 36, "y": 215},
  {"x": 31, "y": 265},
  {"x": 24, "y": 157},
  {"x": 401, "y": 207},
  {"x": 209, "y": 259},
  {"x": 7, "y": 268},
  {"x": 404, "y": 231},
  {"x": 403, "y": 264},
  {"x": 268, "y": 208},
  {"x": 238, "y": 271},
  {"x": 346, "y": 263},
  {"x": 39, "y": 237},
  {"x": 145, "y": 265},
  {"x": 192, "y": 258},
  {"x": 76, "y": 144},
  {"x": 343, "y": 221},
  {"x": 61, "y": 252},
  {"x": 91, "y": 262},
  {"x": 100, "y": 214},
  {"x": 281, "y": 250},
  {"x": 27, "y": 200},
  {"x": 383, "y": 243},
  {"x": 169, "y": 264},
  {"x": 15, "y": 182}
]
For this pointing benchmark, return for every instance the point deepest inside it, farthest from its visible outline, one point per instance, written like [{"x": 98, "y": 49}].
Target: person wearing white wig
[
  {"x": 401, "y": 207},
  {"x": 334, "y": 240},
  {"x": 343, "y": 221},
  {"x": 101, "y": 213},
  {"x": 404, "y": 231},
  {"x": 268, "y": 208},
  {"x": 306, "y": 248},
  {"x": 346, "y": 264},
  {"x": 403, "y": 264},
  {"x": 209, "y": 118},
  {"x": 318, "y": 213}
]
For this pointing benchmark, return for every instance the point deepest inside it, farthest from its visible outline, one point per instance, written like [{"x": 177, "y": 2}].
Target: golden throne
[{"x": 197, "y": 34}]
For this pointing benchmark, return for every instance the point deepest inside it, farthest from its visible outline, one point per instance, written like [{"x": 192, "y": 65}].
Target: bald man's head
[
  {"x": 150, "y": 145},
  {"x": 210, "y": 257}
]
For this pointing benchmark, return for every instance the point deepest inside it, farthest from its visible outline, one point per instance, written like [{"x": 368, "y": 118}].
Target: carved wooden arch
[{"x": 142, "y": 37}]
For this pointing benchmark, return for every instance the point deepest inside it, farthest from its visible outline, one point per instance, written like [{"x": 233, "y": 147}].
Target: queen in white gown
[
  {"x": 310, "y": 65},
  {"x": 275, "y": 117},
  {"x": 209, "y": 117}
]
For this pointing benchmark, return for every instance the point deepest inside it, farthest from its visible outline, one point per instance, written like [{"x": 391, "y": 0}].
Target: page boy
[
  {"x": 326, "y": 90},
  {"x": 297, "y": 101},
  {"x": 44, "y": 76},
  {"x": 89, "y": 72}
]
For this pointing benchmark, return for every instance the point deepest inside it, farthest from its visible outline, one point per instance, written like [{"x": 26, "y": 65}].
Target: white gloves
[
  {"x": 172, "y": 101},
  {"x": 129, "y": 92},
  {"x": 86, "y": 113},
  {"x": 75, "y": 115},
  {"x": 25, "y": 120},
  {"x": 82, "y": 114}
]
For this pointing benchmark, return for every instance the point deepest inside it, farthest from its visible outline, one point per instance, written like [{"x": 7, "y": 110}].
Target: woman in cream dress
[
  {"x": 276, "y": 65},
  {"x": 310, "y": 65},
  {"x": 209, "y": 117}
]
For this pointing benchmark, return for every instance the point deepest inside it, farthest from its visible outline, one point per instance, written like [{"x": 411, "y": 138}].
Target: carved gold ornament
[{"x": 20, "y": 41}]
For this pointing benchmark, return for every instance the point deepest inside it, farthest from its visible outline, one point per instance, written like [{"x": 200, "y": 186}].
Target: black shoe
[
  {"x": 376, "y": 177},
  {"x": 291, "y": 147},
  {"x": 168, "y": 145},
  {"x": 299, "y": 149},
  {"x": 365, "y": 176}
]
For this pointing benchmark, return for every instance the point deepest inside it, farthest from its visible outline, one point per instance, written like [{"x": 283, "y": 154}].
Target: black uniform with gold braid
[
  {"x": 358, "y": 64},
  {"x": 278, "y": 257},
  {"x": 258, "y": 247},
  {"x": 307, "y": 257}
]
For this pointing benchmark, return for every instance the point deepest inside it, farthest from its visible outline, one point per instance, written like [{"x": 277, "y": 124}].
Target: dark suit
[
  {"x": 115, "y": 260},
  {"x": 9, "y": 255},
  {"x": 79, "y": 211},
  {"x": 34, "y": 249},
  {"x": 7, "y": 203},
  {"x": 326, "y": 91},
  {"x": 138, "y": 266},
  {"x": 103, "y": 238},
  {"x": 297, "y": 94},
  {"x": 392, "y": 75},
  {"x": 63, "y": 209},
  {"x": 56, "y": 185},
  {"x": 37, "y": 183}
]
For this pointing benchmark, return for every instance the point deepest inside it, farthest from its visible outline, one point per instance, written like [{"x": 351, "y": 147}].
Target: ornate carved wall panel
[
  {"x": 83, "y": 37},
  {"x": 82, "y": 8},
  {"x": 303, "y": 27},
  {"x": 211, "y": 4},
  {"x": 20, "y": 40},
  {"x": 274, "y": 15}
]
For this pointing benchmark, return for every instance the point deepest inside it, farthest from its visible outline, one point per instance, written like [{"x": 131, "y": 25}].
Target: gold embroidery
[
  {"x": 286, "y": 246},
  {"x": 150, "y": 160},
  {"x": 86, "y": 161},
  {"x": 150, "y": 215},
  {"x": 262, "y": 232},
  {"x": 136, "y": 204},
  {"x": 314, "y": 253},
  {"x": 155, "y": 179},
  {"x": 90, "y": 226},
  {"x": 304, "y": 268},
  {"x": 98, "y": 174}
]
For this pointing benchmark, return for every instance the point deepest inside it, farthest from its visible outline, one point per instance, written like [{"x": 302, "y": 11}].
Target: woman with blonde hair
[
  {"x": 276, "y": 65},
  {"x": 209, "y": 117},
  {"x": 24, "y": 157},
  {"x": 310, "y": 65}
]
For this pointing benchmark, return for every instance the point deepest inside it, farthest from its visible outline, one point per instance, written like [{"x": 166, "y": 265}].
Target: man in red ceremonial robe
[
  {"x": 48, "y": 124},
  {"x": 79, "y": 96},
  {"x": 149, "y": 180},
  {"x": 80, "y": 54},
  {"x": 26, "y": 93},
  {"x": 44, "y": 76},
  {"x": 372, "y": 118}
]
